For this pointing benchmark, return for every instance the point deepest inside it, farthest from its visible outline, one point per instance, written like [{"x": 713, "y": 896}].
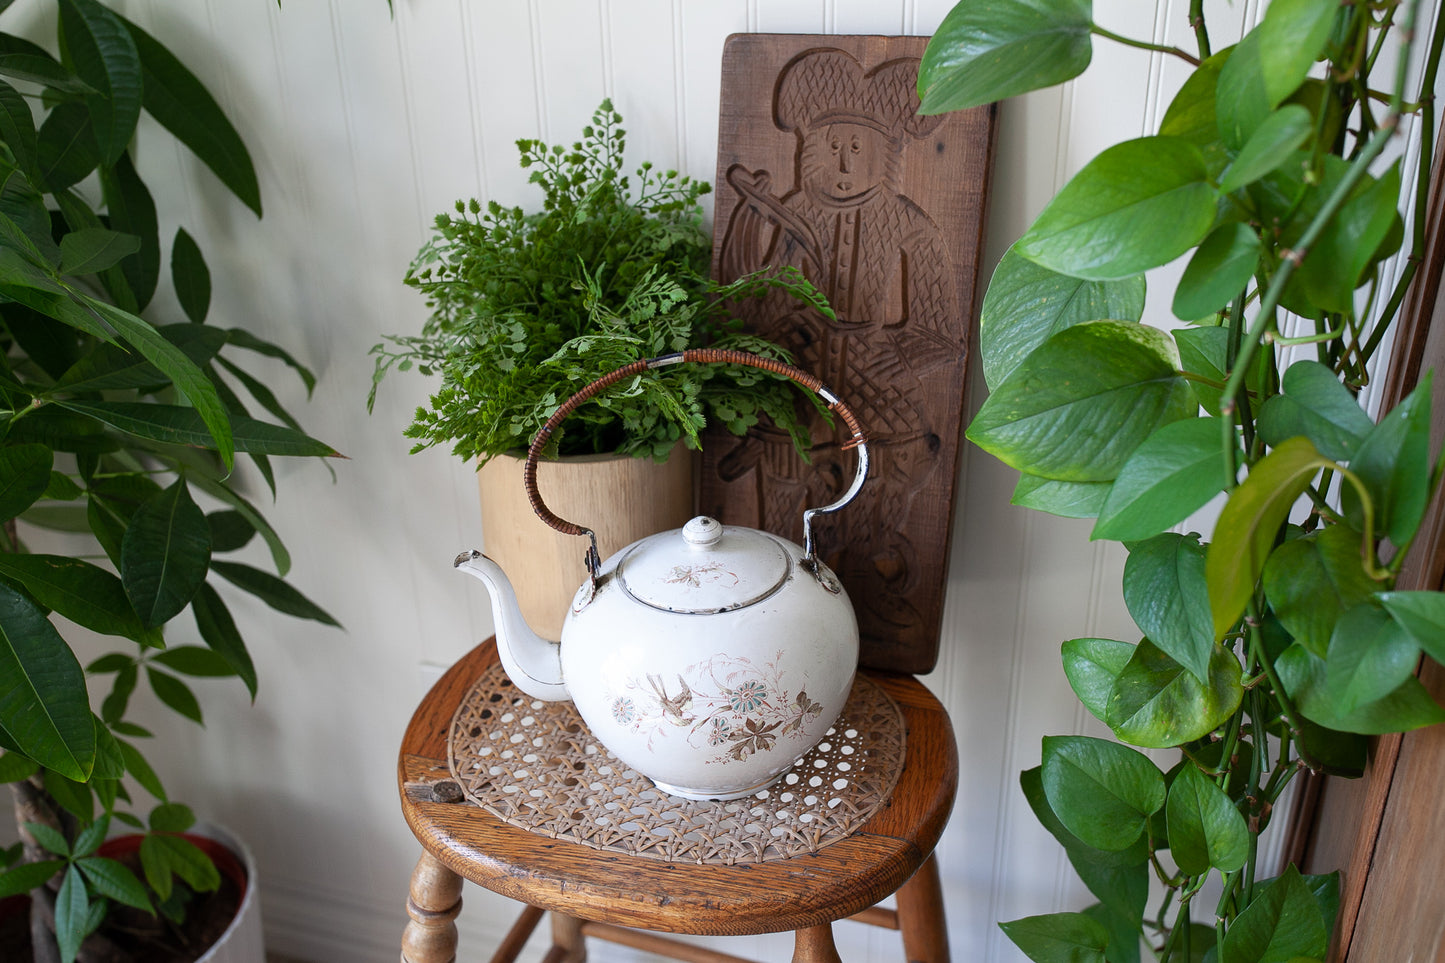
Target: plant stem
[
  {"x": 1231, "y": 742},
  {"x": 1221, "y": 913},
  {"x": 1329, "y": 335},
  {"x": 1261, "y": 740},
  {"x": 1181, "y": 922},
  {"x": 1200, "y": 379},
  {"x": 1284, "y": 771},
  {"x": 1164, "y": 908},
  {"x": 1422, "y": 189},
  {"x": 1367, "y": 541},
  {"x": 1201, "y": 32},
  {"x": 1144, "y": 45},
  {"x": 1246, "y": 889},
  {"x": 1264, "y": 318},
  {"x": 1286, "y": 707},
  {"x": 1231, "y": 354},
  {"x": 1292, "y": 259}
]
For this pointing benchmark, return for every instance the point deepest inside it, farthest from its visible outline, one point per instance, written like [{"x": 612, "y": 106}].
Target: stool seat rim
[{"x": 745, "y": 898}]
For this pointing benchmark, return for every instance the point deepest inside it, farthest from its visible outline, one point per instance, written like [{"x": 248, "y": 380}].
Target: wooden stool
[
  {"x": 898, "y": 259},
  {"x": 616, "y": 898}
]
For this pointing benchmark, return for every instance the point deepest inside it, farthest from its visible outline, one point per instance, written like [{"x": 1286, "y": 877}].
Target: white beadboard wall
[{"x": 363, "y": 126}]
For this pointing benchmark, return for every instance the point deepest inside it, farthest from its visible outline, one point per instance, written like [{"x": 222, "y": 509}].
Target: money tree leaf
[
  {"x": 105, "y": 57},
  {"x": 24, "y": 476},
  {"x": 165, "y": 554},
  {"x": 43, "y": 705}
]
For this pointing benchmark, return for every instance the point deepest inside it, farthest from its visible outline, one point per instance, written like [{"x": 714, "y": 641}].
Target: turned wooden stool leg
[
  {"x": 568, "y": 944},
  {"x": 433, "y": 903},
  {"x": 815, "y": 945},
  {"x": 921, "y": 917}
]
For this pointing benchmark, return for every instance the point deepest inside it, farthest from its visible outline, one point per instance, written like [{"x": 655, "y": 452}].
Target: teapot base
[{"x": 705, "y": 795}]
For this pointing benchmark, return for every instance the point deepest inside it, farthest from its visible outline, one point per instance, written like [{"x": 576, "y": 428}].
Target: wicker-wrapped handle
[{"x": 693, "y": 356}]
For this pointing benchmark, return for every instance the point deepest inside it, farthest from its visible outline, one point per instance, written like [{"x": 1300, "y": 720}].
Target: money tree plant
[
  {"x": 1279, "y": 642},
  {"x": 120, "y": 428}
]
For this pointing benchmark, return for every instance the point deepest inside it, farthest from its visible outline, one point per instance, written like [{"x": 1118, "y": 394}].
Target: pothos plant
[
  {"x": 528, "y": 308},
  {"x": 1278, "y": 643},
  {"x": 117, "y": 424}
]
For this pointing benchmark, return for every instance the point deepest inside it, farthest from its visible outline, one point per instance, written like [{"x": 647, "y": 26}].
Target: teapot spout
[{"x": 533, "y": 663}]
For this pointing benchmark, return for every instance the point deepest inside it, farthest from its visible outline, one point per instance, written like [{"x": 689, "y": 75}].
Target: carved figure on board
[{"x": 885, "y": 268}]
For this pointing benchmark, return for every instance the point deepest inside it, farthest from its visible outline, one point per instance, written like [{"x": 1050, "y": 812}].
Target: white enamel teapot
[{"x": 708, "y": 658}]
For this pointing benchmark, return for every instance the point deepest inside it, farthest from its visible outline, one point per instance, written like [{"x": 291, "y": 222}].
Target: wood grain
[
  {"x": 824, "y": 166},
  {"x": 622, "y": 499},
  {"x": 921, "y": 916},
  {"x": 789, "y": 894},
  {"x": 433, "y": 902}
]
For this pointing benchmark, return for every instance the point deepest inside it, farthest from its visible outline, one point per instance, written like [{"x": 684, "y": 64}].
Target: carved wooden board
[{"x": 824, "y": 165}]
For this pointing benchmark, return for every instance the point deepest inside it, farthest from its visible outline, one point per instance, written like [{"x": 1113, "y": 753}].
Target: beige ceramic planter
[{"x": 622, "y": 499}]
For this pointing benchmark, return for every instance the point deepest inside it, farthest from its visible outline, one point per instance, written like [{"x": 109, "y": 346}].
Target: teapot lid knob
[{"x": 702, "y": 531}]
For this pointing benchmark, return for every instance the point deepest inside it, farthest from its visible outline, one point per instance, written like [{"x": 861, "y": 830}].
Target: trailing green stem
[
  {"x": 1201, "y": 31},
  {"x": 1421, "y": 217},
  {"x": 1293, "y": 258},
  {"x": 1144, "y": 44},
  {"x": 1221, "y": 912},
  {"x": 1286, "y": 706}
]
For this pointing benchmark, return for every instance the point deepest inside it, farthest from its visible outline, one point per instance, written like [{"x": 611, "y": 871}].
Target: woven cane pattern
[{"x": 535, "y": 765}]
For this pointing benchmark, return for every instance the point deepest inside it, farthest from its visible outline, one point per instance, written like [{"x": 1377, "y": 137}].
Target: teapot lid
[{"x": 704, "y": 568}]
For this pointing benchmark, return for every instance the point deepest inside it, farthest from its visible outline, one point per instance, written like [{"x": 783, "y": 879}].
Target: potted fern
[
  {"x": 1277, "y": 643},
  {"x": 529, "y": 307},
  {"x": 121, "y": 429}
]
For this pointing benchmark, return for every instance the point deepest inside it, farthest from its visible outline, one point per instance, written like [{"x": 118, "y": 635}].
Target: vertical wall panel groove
[
  {"x": 474, "y": 102},
  {"x": 408, "y": 119},
  {"x": 604, "y": 16},
  {"x": 679, "y": 89},
  {"x": 539, "y": 86},
  {"x": 1006, "y": 805}
]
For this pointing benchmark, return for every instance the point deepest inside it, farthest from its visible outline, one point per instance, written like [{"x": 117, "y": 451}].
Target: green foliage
[
  {"x": 527, "y": 309},
  {"x": 1280, "y": 641},
  {"x": 117, "y": 426}
]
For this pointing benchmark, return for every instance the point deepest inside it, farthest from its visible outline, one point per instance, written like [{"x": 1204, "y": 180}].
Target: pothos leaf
[
  {"x": 1135, "y": 206},
  {"x": 1102, "y": 791},
  {"x": 1247, "y": 527},
  {"x": 987, "y": 51},
  {"x": 1048, "y": 418},
  {"x": 1026, "y": 303}
]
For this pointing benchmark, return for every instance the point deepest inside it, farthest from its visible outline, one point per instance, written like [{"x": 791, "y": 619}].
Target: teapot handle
[{"x": 696, "y": 355}]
